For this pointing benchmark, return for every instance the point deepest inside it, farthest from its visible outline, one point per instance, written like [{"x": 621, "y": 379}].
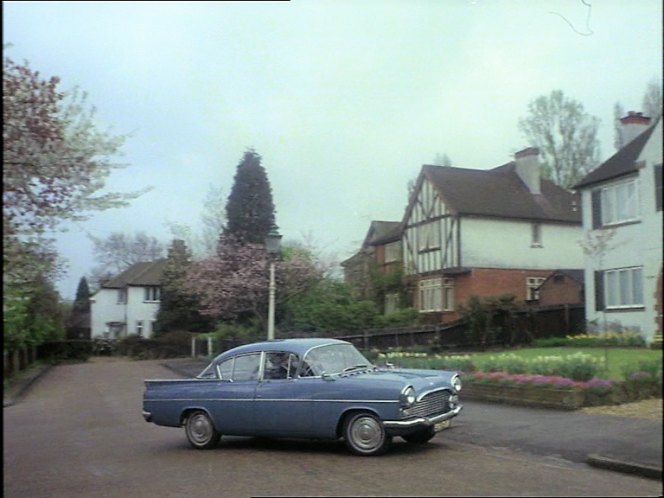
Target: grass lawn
[{"x": 614, "y": 358}]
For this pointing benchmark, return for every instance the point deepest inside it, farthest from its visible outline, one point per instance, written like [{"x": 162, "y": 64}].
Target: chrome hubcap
[
  {"x": 200, "y": 428},
  {"x": 366, "y": 433}
]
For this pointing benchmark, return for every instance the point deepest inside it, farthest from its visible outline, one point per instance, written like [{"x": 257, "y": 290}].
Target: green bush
[
  {"x": 508, "y": 362},
  {"x": 74, "y": 349},
  {"x": 580, "y": 366},
  {"x": 169, "y": 345},
  {"x": 399, "y": 318},
  {"x": 550, "y": 342},
  {"x": 459, "y": 363},
  {"x": 546, "y": 365}
]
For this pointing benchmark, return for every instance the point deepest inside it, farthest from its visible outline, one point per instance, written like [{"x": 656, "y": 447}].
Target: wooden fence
[{"x": 520, "y": 327}]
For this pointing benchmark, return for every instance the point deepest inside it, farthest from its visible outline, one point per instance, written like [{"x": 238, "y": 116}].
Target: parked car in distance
[{"x": 305, "y": 388}]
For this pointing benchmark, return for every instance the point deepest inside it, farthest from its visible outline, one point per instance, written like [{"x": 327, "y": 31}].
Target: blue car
[{"x": 305, "y": 388}]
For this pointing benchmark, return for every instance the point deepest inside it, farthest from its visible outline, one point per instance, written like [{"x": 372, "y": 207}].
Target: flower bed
[{"x": 558, "y": 392}]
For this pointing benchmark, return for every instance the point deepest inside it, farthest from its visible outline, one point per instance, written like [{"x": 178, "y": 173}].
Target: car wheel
[
  {"x": 200, "y": 431},
  {"x": 420, "y": 437},
  {"x": 365, "y": 435}
]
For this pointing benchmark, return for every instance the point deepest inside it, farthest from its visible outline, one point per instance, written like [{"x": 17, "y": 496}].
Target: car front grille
[{"x": 433, "y": 403}]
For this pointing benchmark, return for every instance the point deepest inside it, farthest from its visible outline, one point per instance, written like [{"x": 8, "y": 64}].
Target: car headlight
[
  {"x": 407, "y": 398},
  {"x": 456, "y": 382}
]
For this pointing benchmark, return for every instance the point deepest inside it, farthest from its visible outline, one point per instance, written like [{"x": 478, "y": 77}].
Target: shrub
[
  {"x": 509, "y": 363},
  {"x": 550, "y": 342},
  {"x": 74, "y": 349},
  {"x": 461, "y": 363},
  {"x": 402, "y": 317},
  {"x": 580, "y": 366},
  {"x": 169, "y": 345},
  {"x": 546, "y": 365},
  {"x": 596, "y": 339}
]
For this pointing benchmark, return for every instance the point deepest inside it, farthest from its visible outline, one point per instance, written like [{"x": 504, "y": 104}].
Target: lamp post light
[{"x": 272, "y": 244}]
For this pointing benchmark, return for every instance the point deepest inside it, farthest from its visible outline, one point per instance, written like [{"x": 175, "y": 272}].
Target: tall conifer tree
[
  {"x": 250, "y": 209},
  {"x": 82, "y": 301}
]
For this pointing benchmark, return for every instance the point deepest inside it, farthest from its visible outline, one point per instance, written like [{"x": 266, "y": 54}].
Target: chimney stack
[
  {"x": 528, "y": 168},
  {"x": 632, "y": 125}
]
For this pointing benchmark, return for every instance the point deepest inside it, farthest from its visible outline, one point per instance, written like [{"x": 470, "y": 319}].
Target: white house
[
  {"x": 622, "y": 220},
  {"x": 128, "y": 303},
  {"x": 487, "y": 232}
]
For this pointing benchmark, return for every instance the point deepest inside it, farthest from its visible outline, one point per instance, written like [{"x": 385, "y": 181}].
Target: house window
[
  {"x": 448, "y": 294},
  {"x": 152, "y": 294},
  {"x": 391, "y": 302},
  {"x": 616, "y": 203},
  {"x": 532, "y": 288},
  {"x": 536, "y": 235},
  {"x": 437, "y": 294},
  {"x": 392, "y": 252},
  {"x": 431, "y": 298},
  {"x": 428, "y": 236},
  {"x": 139, "y": 328},
  {"x": 122, "y": 296},
  {"x": 658, "y": 187},
  {"x": 623, "y": 288}
]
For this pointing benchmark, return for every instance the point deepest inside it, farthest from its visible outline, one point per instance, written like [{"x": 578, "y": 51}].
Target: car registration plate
[{"x": 442, "y": 425}]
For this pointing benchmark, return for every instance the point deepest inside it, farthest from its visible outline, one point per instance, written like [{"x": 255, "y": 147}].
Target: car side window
[
  {"x": 280, "y": 365},
  {"x": 210, "y": 372},
  {"x": 246, "y": 367},
  {"x": 308, "y": 369},
  {"x": 226, "y": 369}
]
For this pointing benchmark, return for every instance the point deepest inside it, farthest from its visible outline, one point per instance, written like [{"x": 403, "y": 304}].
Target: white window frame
[
  {"x": 391, "y": 302},
  {"x": 623, "y": 288},
  {"x": 139, "y": 328},
  {"x": 428, "y": 236},
  {"x": 152, "y": 294},
  {"x": 122, "y": 296},
  {"x": 448, "y": 294},
  {"x": 532, "y": 288},
  {"x": 620, "y": 202},
  {"x": 392, "y": 252},
  {"x": 430, "y": 294},
  {"x": 536, "y": 235}
]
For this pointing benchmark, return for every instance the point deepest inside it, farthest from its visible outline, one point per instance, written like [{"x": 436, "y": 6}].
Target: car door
[
  {"x": 283, "y": 402},
  {"x": 233, "y": 406}
]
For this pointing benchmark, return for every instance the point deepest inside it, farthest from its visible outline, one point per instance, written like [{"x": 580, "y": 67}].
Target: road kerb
[{"x": 625, "y": 467}]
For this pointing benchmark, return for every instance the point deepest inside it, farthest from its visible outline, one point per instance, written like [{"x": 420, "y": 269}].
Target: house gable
[
  {"x": 622, "y": 216},
  {"x": 128, "y": 303},
  {"x": 623, "y": 162}
]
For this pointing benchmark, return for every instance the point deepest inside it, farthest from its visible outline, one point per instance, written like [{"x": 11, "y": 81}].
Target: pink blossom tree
[{"x": 234, "y": 282}]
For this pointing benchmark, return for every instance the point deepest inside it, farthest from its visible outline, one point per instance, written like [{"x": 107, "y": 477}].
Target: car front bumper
[{"x": 399, "y": 427}]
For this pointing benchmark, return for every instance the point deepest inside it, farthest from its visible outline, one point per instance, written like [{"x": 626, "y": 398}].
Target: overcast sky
[{"x": 344, "y": 100}]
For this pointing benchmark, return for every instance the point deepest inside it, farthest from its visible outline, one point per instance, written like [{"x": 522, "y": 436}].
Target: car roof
[{"x": 298, "y": 346}]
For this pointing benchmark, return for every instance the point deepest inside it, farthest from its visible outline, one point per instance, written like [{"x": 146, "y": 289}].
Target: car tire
[
  {"x": 200, "y": 431},
  {"x": 365, "y": 435},
  {"x": 420, "y": 437}
]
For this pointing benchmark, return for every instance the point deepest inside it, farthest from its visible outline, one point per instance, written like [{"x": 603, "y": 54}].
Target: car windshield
[{"x": 335, "y": 358}]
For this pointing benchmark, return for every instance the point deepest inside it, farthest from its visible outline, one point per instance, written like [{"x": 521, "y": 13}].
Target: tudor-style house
[
  {"x": 128, "y": 303},
  {"x": 487, "y": 233},
  {"x": 380, "y": 252},
  {"x": 622, "y": 220}
]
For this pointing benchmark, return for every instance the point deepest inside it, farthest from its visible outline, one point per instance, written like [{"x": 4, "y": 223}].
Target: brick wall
[
  {"x": 494, "y": 282},
  {"x": 561, "y": 289},
  {"x": 486, "y": 282}
]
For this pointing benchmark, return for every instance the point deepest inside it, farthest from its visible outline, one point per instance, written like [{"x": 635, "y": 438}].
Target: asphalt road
[{"x": 79, "y": 433}]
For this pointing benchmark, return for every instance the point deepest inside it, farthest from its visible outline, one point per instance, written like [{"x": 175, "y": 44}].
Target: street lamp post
[{"x": 272, "y": 244}]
